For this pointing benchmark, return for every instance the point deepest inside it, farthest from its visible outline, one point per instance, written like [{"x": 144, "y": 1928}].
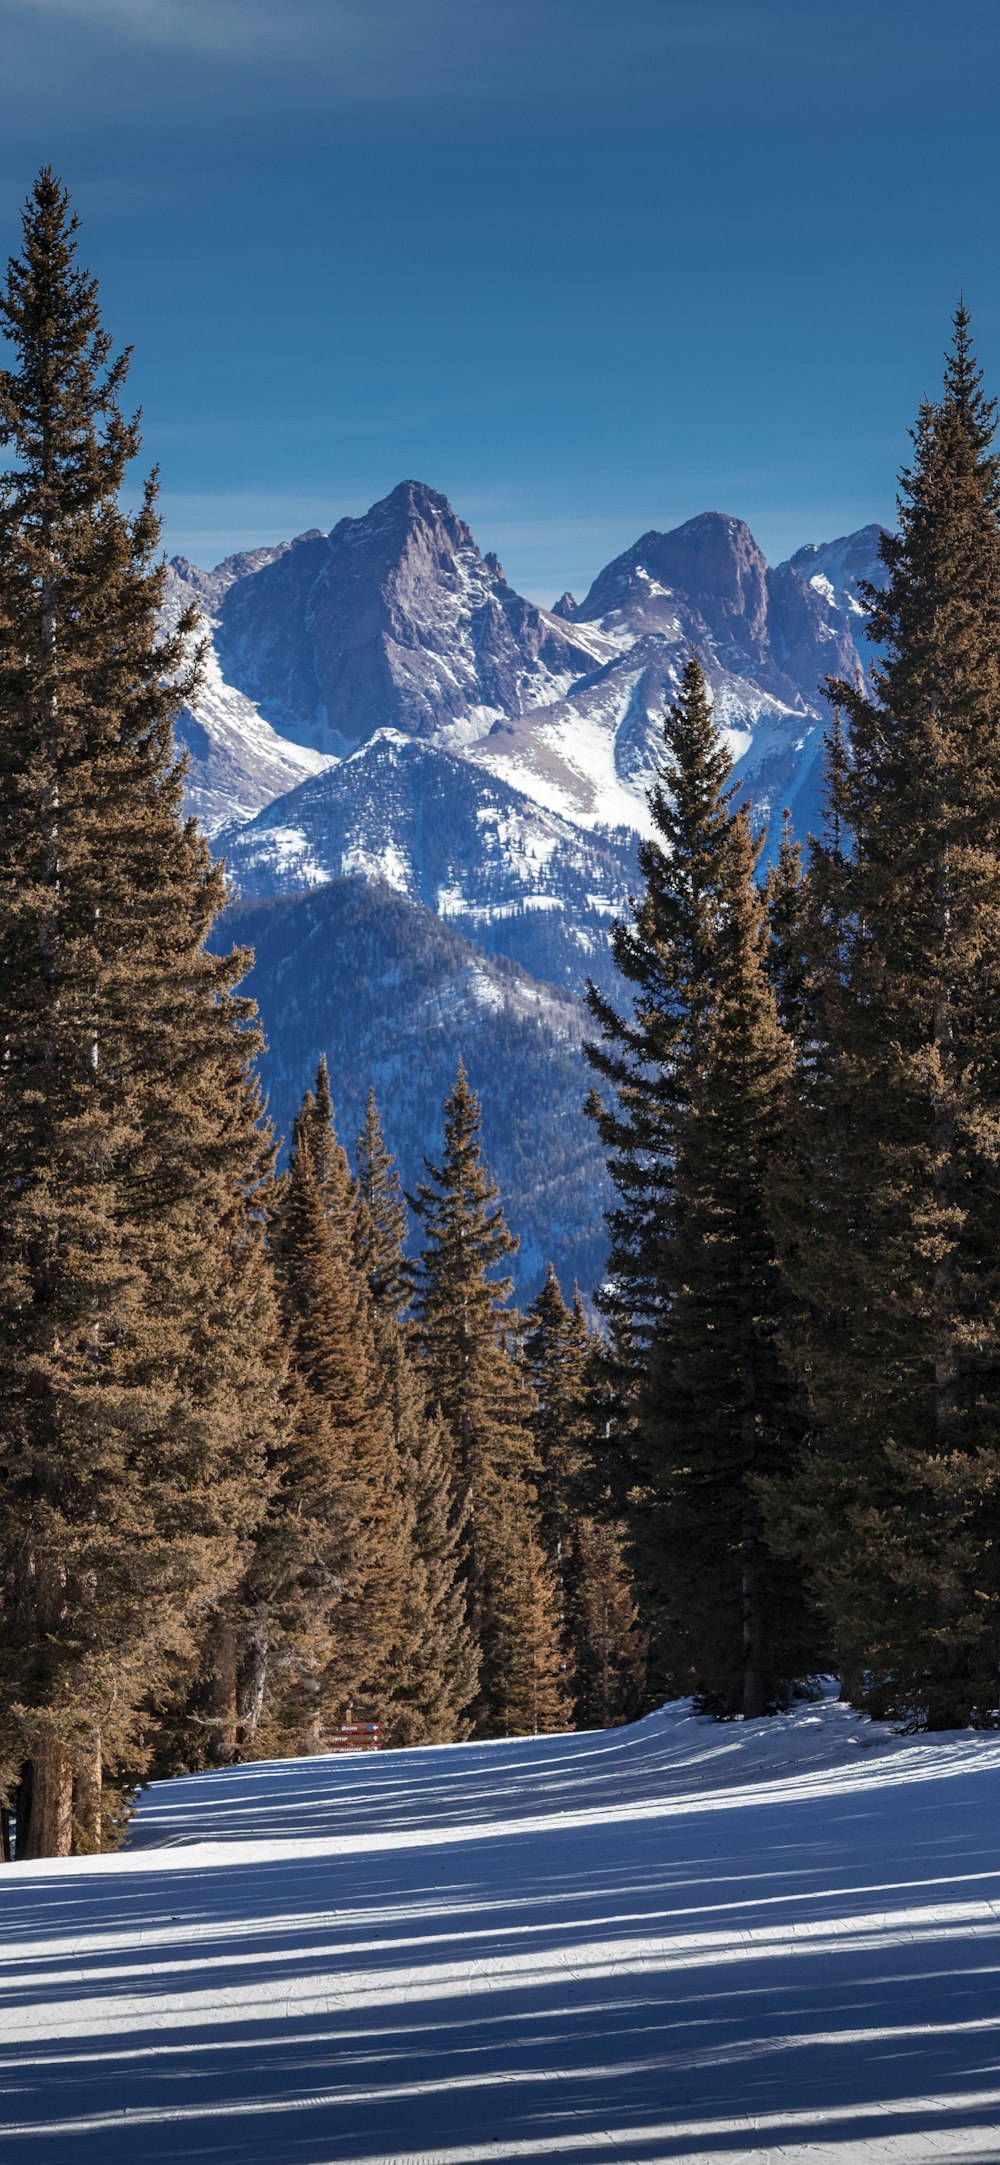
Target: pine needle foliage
[
  {"x": 380, "y": 1239},
  {"x": 720, "y": 1412},
  {"x": 346, "y": 1449},
  {"x": 901, "y": 1344},
  {"x": 470, "y": 1362},
  {"x": 666, "y": 952},
  {"x": 135, "y": 1309}
]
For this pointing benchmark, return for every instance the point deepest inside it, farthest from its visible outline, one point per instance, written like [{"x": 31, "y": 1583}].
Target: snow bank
[{"x": 675, "y": 1941}]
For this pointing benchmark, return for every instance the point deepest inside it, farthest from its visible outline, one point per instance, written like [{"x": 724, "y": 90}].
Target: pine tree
[
  {"x": 381, "y": 1220},
  {"x": 346, "y": 1453},
  {"x": 458, "y": 1302},
  {"x": 899, "y": 1339},
  {"x": 473, "y": 1376},
  {"x": 645, "y": 1060},
  {"x": 788, "y": 916},
  {"x": 608, "y": 1641},
  {"x": 578, "y": 1517},
  {"x": 557, "y": 1350},
  {"x": 135, "y": 1308},
  {"x": 436, "y": 1671},
  {"x": 721, "y": 1413},
  {"x": 526, "y": 1680},
  {"x": 666, "y": 951}
]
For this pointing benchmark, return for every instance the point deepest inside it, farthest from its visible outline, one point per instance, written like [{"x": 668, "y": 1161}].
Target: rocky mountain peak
[
  {"x": 712, "y": 562},
  {"x": 393, "y": 619}
]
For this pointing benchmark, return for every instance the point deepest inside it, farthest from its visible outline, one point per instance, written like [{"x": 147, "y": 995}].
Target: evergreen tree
[
  {"x": 353, "y": 1503},
  {"x": 557, "y": 1350},
  {"x": 788, "y": 916},
  {"x": 578, "y": 1519},
  {"x": 608, "y": 1641},
  {"x": 720, "y": 1410},
  {"x": 526, "y": 1681},
  {"x": 898, "y": 1286},
  {"x": 135, "y": 1307},
  {"x": 473, "y": 1376},
  {"x": 666, "y": 951},
  {"x": 458, "y": 1302},
  {"x": 381, "y": 1220},
  {"x": 436, "y": 1671}
]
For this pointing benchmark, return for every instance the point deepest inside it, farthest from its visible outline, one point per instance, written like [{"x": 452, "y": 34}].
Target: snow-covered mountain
[
  {"x": 766, "y": 638},
  {"x": 838, "y": 570},
  {"x": 394, "y": 750},
  {"x": 236, "y": 761},
  {"x": 392, "y": 996},
  {"x": 502, "y": 870},
  {"x": 396, "y": 620},
  {"x": 392, "y": 620}
]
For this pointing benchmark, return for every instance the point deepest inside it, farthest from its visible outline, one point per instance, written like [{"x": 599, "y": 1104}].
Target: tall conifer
[
  {"x": 721, "y": 1413},
  {"x": 357, "y": 1501},
  {"x": 473, "y": 1375},
  {"x": 135, "y": 1316},
  {"x": 903, "y": 1361},
  {"x": 380, "y": 1238}
]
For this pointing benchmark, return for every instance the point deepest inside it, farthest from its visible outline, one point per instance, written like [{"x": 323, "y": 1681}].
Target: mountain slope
[
  {"x": 838, "y": 569},
  {"x": 236, "y": 761},
  {"x": 514, "y": 878},
  {"x": 677, "y": 1941},
  {"x": 393, "y": 996},
  {"x": 766, "y": 639}
]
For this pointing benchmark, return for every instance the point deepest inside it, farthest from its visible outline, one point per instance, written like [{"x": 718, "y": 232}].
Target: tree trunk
[
  {"x": 50, "y": 1825},
  {"x": 755, "y": 1702},
  {"x": 222, "y": 1708},
  {"x": 852, "y": 1680},
  {"x": 87, "y": 1827},
  {"x": 252, "y": 1678}
]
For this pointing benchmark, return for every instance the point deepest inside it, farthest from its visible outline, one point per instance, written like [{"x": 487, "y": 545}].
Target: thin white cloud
[{"x": 413, "y": 49}]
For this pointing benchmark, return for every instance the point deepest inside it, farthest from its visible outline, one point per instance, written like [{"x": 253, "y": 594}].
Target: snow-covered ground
[{"x": 675, "y": 1941}]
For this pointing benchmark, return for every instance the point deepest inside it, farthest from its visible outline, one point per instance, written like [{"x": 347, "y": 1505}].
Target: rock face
[
  {"x": 393, "y": 996},
  {"x": 394, "y": 620},
  {"x": 236, "y": 761},
  {"x": 836, "y": 570}
]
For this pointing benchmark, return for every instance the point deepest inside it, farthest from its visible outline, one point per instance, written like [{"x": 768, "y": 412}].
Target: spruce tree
[
  {"x": 135, "y": 1308},
  {"x": 458, "y": 1301},
  {"x": 557, "y": 1350},
  {"x": 436, "y": 1670},
  {"x": 700, "y": 1074},
  {"x": 353, "y": 1501},
  {"x": 609, "y": 1645},
  {"x": 380, "y": 1238},
  {"x": 472, "y": 1373},
  {"x": 898, "y": 1338},
  {"x": 720, "y": 1411},
  {"x": 665, "y": 949}
]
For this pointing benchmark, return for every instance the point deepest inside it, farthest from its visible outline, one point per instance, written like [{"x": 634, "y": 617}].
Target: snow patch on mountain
[{"x": 236, "y": 762}]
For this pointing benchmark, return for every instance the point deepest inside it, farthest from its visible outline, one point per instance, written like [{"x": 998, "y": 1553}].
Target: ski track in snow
[{"x": 679, "y": 1941}]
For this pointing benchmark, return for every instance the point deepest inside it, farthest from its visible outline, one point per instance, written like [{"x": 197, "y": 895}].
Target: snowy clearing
[{"x": 675, "y": 1941}]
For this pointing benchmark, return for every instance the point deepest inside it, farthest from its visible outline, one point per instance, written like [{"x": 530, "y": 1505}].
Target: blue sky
[{"x": 588, "y": 266}]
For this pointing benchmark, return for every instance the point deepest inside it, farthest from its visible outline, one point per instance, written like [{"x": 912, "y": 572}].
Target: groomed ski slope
[{"x": 675, "y": 1941}]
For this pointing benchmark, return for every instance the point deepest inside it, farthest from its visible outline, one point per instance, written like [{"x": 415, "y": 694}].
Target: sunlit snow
[{"x": 675, "y": 1941}]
